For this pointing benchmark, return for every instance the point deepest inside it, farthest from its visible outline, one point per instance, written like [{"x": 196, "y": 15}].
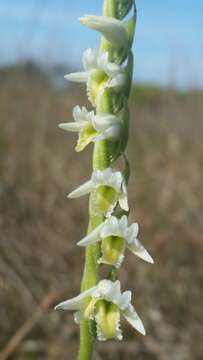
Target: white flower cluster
[{"x": 104, "y": 302}]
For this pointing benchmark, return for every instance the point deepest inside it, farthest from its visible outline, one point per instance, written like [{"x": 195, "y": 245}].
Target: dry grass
[{"x": 39, "y": 227}]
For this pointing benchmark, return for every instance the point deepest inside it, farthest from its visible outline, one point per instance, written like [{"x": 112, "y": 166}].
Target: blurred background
[{"x": 40, "y": 263}]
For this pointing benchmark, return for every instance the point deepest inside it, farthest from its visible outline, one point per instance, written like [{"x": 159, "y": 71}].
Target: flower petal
[
  {"x": 112, "y": 29},
  {"x": 82, "y": 115},
  {"x": 125, "y": 300},
  {"x": 91, "y": 238},
  {"x": 76, "y": 302},
  {"x": 132, "y": 233},
  {"x": 77, "y": 77},
  {"x": 112, "y": 133},
  {"x": 139, "y": 250},
  {"x": 132, "y": 317},
  {"x": 104, "y": 121},
  {"x": 108, "y": 177},
  {"x": 72, "y": 126},
  {"x": 109, "y": 291},
  {"x": 111, "y": 227},
  {"x": 123, "y": 199},
  {"x": 111, "y": 69},
  {"x": 89, "y": 59},
  {"x": 118, "y": 81},
  {"x": 83, "y": 189},
  {"x": 123, "y": 223},
  {"x": 77, "y": 317}
]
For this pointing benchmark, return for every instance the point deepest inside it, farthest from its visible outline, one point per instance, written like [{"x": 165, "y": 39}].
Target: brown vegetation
[{"x": 39, "y": 226}]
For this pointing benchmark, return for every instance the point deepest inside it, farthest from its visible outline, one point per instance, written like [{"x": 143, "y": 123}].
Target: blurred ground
[{"x": 39, "y": 227}]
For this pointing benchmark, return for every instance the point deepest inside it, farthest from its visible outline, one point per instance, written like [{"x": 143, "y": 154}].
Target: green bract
[{"x": 123, "y": 7}]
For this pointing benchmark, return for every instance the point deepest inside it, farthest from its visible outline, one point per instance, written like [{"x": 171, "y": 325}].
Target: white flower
[
  {"x": 112, "y": 29},
  {"x": 92, "y": 127},
  {"x": 99, "y": 74},
  {"x": 105, "y": 306},
  {"x": 115, "y": 235},
  {"x": 109, "y": 187}
]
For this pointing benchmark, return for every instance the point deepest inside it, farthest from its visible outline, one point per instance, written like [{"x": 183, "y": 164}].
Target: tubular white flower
[
  {"x": 112, "y": 29},
  {"x": 112, "y": 232},
  {"x": 110, "y": 188},
  {"x": 106, "y": 302},
  {"x": 92, "y": 127},
  {"x": 99, "y": 73}
]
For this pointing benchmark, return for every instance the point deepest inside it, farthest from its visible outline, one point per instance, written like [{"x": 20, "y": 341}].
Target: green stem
[
  {"x": 91, "y": 269},
  {"x": 89, "y": 279},
  {"x": 109, "y": 9}
]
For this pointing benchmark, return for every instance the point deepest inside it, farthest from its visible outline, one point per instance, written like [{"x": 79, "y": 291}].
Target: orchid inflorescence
[{"x": 108, "y": 77}]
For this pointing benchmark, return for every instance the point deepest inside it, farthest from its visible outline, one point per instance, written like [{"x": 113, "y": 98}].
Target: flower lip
[{"x": 108, "y": 321}]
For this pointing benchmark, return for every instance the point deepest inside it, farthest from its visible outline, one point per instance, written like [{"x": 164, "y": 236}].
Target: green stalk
[{"x": 91, "y": 269}]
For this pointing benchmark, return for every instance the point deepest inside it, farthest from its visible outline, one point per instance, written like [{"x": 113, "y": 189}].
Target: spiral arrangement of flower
[{"x": 108, "y": 77}]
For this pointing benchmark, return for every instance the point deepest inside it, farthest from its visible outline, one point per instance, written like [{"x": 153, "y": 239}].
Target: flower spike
[{"x": 108, "y": 75}]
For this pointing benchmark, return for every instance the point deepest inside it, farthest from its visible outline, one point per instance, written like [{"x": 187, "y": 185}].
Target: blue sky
[{"x": 168, "y": 45}]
